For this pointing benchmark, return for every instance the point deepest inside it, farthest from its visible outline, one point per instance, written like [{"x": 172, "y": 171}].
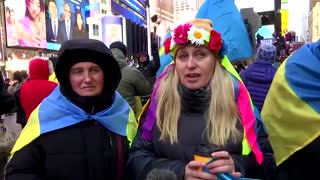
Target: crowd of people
[{"x": 86, "y": 121}]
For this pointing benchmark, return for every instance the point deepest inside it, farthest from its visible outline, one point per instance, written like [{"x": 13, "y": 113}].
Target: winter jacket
[
  {"x": 258, "y": 78},
  {"x": 133, "y": 83},
  {"x": 149, "y": 68},
  {"x": 69, "y": 136},
  {"x": 147, "y": 155},
  {"x": 7, "y": 101},
  {"x": 37, "y": 88},
  {"x": 85, "y": 151}
]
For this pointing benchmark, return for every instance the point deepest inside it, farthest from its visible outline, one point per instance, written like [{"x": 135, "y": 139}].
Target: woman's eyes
[{"x": 199, "y": 55}]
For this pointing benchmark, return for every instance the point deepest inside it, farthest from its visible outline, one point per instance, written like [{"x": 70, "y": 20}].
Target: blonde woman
[{"x": 200, "y": 99}]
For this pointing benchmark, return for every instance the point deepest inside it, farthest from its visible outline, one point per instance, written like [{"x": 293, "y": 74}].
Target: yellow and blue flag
[
  {"x": 56, "y": 112},
  {"x": 291, "y": 111}
]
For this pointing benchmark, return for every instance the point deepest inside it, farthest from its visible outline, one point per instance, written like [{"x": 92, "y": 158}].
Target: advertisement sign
[
  {"x": 111, "y": 29},
  {"x": 25, "y": 23},
  {"x": 143, "y": 2},
  {"x": 135, "y": 6},
  {"x": 284, "y": 21},
  {"x": 65, "y": 20},
  {"x": 267, "y": 42},
  {"x": 45, "y": 23},
  {"x": 126, "y": 13},
  {"x": 266, "y": 31}
]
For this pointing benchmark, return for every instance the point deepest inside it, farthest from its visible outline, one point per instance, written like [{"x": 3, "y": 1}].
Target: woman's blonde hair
[{"x": 222, "y": 113}]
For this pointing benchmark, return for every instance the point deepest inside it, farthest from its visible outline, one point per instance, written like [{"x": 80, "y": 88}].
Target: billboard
[
  {"x": 112, "y": 29},
  {"x": 25, "y": 23},
  {"x": 284, "y": 21},
  {"x": 45, "y": 24},
  {"x": 266, "y": 31},
  {"x": 65, "y": 20}
]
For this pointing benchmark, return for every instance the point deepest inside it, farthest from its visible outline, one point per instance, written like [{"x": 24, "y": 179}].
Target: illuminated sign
[{"x": 135, "y": 6}]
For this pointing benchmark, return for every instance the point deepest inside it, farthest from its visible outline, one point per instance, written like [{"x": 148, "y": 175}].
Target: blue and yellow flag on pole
[
  {"x": 56, "y": 112},
  {"x": 291, "y": 111}
]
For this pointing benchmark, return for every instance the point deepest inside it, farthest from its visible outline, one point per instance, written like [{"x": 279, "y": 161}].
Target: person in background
[
  {"x": 7, "y": 106},
  {"x": 52, "y": 76},
  {"x": 259, "y": 75},
  {"x": 20, "y": 77},
  {"x": 7, "y": 101},
  {"x": 133, "y": 83},
  {"x": 7, "y": 82},
  {"x": 149, "y": 68},
  {"x": 37, "y": 88},
  {"x": 83, "y": 129},
  {"x": 291, "y": 113},
  {"x": 199, "y": 99}
]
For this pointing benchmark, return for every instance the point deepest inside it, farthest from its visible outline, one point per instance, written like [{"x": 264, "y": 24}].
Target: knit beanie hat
[
  {"x": 119, "y": 45},
  {"x": 267, "y": 53}
]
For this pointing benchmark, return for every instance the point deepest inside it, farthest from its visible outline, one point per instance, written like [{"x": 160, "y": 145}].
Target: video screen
[
  {"x": 266, "y": 31},
  {"x": 45, "y": 23},
  {"x": 65, "y": 20},
  {"x": 25, "y": 23}
]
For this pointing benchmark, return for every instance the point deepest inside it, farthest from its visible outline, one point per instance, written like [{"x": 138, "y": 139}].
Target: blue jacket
[{"x": 258, "y": 78}]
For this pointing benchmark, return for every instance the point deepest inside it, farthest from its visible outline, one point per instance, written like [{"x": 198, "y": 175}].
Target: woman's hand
[
  {"x": 192, "y": 172},
  {"x": 223, "y": 164}
]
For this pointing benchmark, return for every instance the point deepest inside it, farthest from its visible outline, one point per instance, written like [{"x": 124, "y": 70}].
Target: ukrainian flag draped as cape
[
  {"x": 56, "y": 112},
  {"x": 291, "y": 111},
  {"x": 249, "y": 115}
]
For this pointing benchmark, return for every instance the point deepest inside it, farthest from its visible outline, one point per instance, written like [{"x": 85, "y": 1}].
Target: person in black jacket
[
  {"x": 7, "y": 101},
  {"x": 198, "y": 100},
  {"x": 83, "y": 129},
  {"x": 149, "y": 68}
]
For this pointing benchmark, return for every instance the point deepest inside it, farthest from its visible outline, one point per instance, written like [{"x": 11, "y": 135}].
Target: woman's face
[
  {"x": 79, "y": 20},
  {"x": 86, "y": 79},
  {"x": 11, "y": 16},
  {"x": 195, "y": 66},
  {"x": 143, "y": 58},
  {"x": 34, "y": 8}
]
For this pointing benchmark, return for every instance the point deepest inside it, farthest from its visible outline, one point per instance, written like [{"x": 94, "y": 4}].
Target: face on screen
[
  {"x": 11, "y": 16},
  {"x": 52, "y": 9},
  {"x": 67, "y": 12},
  {"x": 79, "y": 20},
  {"x": 34, "y": 8}
]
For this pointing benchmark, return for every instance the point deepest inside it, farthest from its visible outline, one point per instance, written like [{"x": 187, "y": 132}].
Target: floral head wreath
[{"x": 191, "y": 33}]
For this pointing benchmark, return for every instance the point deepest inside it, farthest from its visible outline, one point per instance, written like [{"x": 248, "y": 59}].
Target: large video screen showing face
[
  {"x": 25, "y": 23},
  {"x": 45, "y": 23},
  {"x": 65, "y": 20}
]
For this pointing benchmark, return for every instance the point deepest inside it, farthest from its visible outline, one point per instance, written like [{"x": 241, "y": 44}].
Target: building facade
[
  {"x": 314, "y": 21},
  {"x": 164, "y": 10},
  {"x": 199, "y": 3},
  {"x": 184, "y": 10}
]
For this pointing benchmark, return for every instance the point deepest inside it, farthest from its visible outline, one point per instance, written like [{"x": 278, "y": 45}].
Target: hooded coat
[
  {"x": 37, "y": 88},
  {"x": 149, "y": 68},
  {"x": 86, "y": 148},
  {"x": 133, "y": 83}
]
